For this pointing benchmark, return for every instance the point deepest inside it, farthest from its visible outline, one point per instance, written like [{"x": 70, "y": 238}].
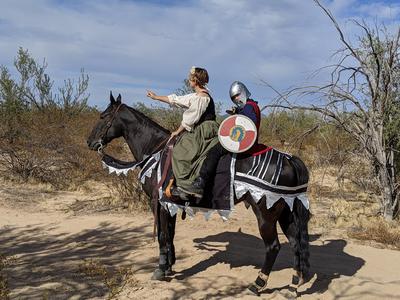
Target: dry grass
[
  {"x": 379, "y": 231},
  {"x": 125, "y": 191},
  {"x": 344, "y": 206},
  {"x": 50, "y": 148},
  {"x": 4, "y": 263},
  {"x": 113, "y": 280}
]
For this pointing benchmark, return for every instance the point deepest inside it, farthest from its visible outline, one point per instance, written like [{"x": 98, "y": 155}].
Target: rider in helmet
[{"x": 240, "y": 96}]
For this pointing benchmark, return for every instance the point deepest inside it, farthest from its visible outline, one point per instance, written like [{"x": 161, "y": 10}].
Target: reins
[
  {"x": 107, "y": 127},
  {"x": 161, "y": 145},
  {"x": 167, "y": 164}
]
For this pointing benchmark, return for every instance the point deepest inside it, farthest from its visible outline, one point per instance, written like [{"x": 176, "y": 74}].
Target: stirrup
[
  {"x": 176, "y": 195},
  {"x": 190, "y": 193}
]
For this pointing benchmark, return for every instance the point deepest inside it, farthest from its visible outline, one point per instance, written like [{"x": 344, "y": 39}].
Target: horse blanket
[{"x": 259, "y": 180}]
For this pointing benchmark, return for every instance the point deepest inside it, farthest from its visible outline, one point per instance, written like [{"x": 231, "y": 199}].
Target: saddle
[{"x": 218, "y": 191}]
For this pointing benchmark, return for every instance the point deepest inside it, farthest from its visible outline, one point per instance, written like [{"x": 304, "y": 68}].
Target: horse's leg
[
  {"x": 170, "y": 242},
  {"x": 165, "y": 234},
  {"x": 267, "y": 219},
  {"x": 294, "y": 226},
  {"x": 288, "y": 226}
]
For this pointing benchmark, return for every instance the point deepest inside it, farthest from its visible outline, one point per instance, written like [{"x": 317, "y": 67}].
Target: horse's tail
[{"x": 301, "y": 217}]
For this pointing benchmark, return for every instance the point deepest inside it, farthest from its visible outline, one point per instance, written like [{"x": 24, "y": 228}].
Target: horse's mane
[{"x": 147, "y": 119}]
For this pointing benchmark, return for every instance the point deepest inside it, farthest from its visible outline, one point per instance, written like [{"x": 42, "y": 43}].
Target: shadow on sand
[
  {"x": 48, "y": 265},
  {"x": 328, "y": 261}
]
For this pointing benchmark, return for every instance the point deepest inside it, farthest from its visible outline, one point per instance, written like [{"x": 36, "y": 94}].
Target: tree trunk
[
  {"x": 384, "y": 174},
  {"x": 387, "y": 192}
]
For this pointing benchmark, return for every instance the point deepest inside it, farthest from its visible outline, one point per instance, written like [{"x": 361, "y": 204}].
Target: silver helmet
[{"x": 238, "y": 88}]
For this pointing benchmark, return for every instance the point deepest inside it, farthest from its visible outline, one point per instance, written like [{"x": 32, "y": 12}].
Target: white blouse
[{"x": 196, "y": 105}]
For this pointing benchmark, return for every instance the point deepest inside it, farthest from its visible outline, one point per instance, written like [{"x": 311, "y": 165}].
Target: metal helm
[{"x": 238, "y": 88}]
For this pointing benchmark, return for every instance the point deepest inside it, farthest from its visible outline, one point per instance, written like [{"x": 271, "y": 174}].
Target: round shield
[{"x": 237, "y": 133}]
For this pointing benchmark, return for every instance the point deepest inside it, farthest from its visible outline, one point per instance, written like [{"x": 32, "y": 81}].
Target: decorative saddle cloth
[
  {"x": 233, "y": 180},
  {"x": 261, "y": 178}
]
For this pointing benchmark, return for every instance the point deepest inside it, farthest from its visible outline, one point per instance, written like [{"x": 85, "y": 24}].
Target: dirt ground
[{"x": 53, "y": 237}]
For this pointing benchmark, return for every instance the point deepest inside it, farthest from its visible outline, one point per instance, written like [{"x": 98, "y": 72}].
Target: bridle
[{"x": 106, "y": 128}]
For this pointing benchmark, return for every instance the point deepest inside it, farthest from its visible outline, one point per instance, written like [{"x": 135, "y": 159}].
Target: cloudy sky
[{"x": 129, "y": 46}]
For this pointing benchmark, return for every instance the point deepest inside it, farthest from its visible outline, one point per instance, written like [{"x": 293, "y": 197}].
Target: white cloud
[
  {"x": 381, "y": 10},
  {"x": 129, "y": 46},
  {"x": 341, "y": 6}
]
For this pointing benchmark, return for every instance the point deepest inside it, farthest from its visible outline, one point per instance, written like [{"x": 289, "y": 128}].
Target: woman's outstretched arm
[{"x": 153, "y": 96}]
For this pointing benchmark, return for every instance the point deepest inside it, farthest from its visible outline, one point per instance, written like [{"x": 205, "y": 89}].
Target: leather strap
[{"x": 167, "y": 164}]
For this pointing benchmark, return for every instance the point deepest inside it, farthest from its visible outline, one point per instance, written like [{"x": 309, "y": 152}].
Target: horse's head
[{"x": 108, "y": 127}]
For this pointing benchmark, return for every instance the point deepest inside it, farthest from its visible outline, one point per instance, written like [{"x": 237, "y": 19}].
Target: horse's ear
[
  {"x": 112, "y": 100},
  {"x": 119, "y": 98}
]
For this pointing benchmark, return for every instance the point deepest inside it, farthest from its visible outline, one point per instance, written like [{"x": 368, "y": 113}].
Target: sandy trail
[{"x": 215, "y": 259}]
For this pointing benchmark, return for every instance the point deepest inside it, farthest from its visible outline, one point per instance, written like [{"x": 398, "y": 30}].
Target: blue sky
[{"x": 129, "y": 46}]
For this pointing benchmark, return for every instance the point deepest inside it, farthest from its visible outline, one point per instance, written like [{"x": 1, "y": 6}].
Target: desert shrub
[
  {"x": 50, "y": 148},
  {"x": 378, "y": 230},
  {"x": 128, "y": 191},
  {"x": 316, "y": 141},
  {"x": 282, "y": 127},
  {"x": 43, "y": 129},
  {"x": 113, "y": 279}
]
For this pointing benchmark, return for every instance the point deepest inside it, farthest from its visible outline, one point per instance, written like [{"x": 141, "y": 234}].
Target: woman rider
[{"x": 198, "y": 127}]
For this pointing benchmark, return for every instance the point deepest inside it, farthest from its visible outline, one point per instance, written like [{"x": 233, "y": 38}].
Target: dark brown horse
[{"x": 143, "y": 137}]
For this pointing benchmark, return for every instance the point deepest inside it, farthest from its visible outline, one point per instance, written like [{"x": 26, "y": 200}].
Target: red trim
[
  {"x": 257, "y": 111},
  {"x": 260, "y": 148}
]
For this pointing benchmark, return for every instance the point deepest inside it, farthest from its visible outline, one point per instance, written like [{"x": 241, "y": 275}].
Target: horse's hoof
[
  {"x": 253, "y": 288},
  {"x": 260, "y": 285},
  {"x": 158, "y": 274},
  {"x": 299, "y": 279},
  {"x": 169, "y": 272},
  {"x": 295, "y": 279}
]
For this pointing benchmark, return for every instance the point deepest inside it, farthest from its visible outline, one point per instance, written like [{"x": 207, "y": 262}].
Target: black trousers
[{"x": 210, "y": 164}]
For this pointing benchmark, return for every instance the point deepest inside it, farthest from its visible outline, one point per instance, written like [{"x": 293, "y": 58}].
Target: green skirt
[{"x": 191, "y": 150}]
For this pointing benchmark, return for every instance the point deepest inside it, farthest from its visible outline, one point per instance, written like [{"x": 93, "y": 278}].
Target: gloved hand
[{"x": 231, "y": 111}]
